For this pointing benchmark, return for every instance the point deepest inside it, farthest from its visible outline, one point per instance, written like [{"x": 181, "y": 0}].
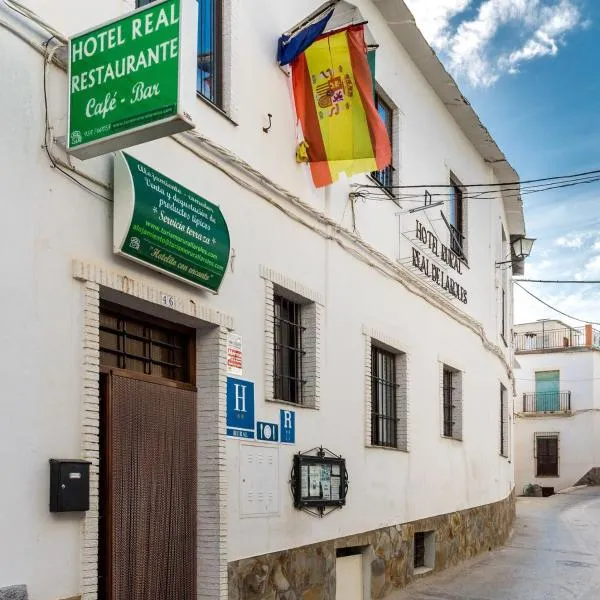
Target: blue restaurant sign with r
[
  {"x": 287, "y": 426},
  {"x": 240, "y": 408}
]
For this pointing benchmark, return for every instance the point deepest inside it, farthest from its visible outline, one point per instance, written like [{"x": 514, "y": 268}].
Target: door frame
[{"x": 155, "y": 296}]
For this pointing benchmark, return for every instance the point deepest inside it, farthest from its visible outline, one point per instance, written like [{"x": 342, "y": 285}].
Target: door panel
[
  {"x": 152, "y": 494},
  {"x": 349, "y": 577},
  {"x": 547, "y": 391}
]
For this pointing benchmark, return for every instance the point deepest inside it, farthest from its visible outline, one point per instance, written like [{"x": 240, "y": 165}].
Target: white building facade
[
  {"x": 363, "y": 330},
  {"x": 556, "y": 424}
]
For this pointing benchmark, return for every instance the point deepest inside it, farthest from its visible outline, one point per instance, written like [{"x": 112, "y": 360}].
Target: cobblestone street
[{"x": 554, "y": 554}]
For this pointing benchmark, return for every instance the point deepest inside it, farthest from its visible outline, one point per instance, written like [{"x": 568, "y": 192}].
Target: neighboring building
[
  {"x": 379, "y": 334},
  {"x": 557, "y": 404}
]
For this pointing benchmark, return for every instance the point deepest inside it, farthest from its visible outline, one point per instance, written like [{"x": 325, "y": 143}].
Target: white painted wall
[
  {"x": 579, "y": 445},
  {"x": 49, "y": 221}
]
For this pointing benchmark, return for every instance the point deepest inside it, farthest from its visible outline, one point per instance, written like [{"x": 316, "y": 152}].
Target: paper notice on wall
[
  {"x": 304, "y": 481},
  {"x": 234, "y": 354},
  {"x": 314, "y": 479},
  {"x": 326, "y": 482},
  {"x": 335, "y": 488}
]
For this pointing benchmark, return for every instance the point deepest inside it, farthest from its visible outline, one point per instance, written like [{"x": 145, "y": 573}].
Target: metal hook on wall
[{"x": 266, "y": 129}]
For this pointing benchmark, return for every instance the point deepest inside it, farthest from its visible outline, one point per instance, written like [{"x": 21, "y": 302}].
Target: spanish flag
[{"x": 333, "y": 93}]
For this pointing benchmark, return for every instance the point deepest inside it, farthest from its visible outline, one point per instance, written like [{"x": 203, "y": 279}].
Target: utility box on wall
[{"x": 69, "y": 485}]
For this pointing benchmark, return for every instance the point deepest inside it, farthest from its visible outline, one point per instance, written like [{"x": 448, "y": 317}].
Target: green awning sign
[
  {"x": 129, "y": 78},
  {"x": 167, "y": 227}
]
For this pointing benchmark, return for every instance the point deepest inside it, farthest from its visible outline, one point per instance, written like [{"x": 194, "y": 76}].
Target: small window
[
  {"x": 456, "y": 207},
  {"x": 546, "y": 454},
  {"x": 423, "y": 551},
  {"x": 288, "y": 381},
  {"x": 385, "y": 177},
  {"x": 419, "y": 549},
  {"x": 452, "y": 402},
  {"x": 140, "y": 3},
  {"x": 503, "y": 421},
  {"x": 384, "y": 418},
  {"x": 209, "y": 80}
]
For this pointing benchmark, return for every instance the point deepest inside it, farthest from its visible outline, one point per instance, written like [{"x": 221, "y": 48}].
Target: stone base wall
[{"x": 308, "y": 572}]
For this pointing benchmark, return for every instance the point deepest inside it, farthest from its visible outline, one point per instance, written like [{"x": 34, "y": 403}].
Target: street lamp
[{"x": 521, "y": 249}]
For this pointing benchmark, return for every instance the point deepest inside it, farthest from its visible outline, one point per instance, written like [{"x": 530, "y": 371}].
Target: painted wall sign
[
  {"x": 130, "y": 78},
  {"x": 428, "y": 267},
  {"x": 234, "y": 354},
  {"x": 267, "y": 432},
  {"x": 167, "y": 227},
  {"x": 287, "y": 423},
  {"x": 240, "y": 408}
]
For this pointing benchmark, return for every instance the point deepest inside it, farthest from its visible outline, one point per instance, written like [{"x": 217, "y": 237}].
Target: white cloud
[
  {"x": 570, "y": 242},
  {"x": 555, "y": 21},
  {"x": 433, "y": 17},
  {"x": 471, "y": 48},
  {"x": 591, "y": 269}
]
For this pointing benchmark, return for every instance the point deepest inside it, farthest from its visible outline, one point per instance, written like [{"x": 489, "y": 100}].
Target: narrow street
[{"x": 554, "y": 554}]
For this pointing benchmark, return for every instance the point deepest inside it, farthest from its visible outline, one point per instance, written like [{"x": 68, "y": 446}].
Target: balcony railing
[
  {"x": 547, "y": 402},
  {"x": 554, "y": 339}
]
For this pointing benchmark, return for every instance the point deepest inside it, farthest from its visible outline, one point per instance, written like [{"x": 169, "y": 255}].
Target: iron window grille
[
  {"x": 546, "y": 453},
  {"x": 448, "y": 401},
  {"x": 209, "y": 74},
  {"x": 288, "y": 382},
  {"x": 384, "y": 414},
  {"x": 419, "y": 559},
  {"x": 457, "y": 221},
  {"x": 385, "y": 177},
  {"x": 503, "y": 421},
  {"x": 132, "y": 343}
]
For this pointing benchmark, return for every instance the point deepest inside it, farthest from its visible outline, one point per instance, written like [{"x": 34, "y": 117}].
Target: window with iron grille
[
  {"x": 546, "y": 454},
  {"x": 456, "y": 208},
  {"x": 135, "y": 342},
  {"x": 384, "y": 413},
  {"x": 452, "y": 402},
  {"x": 385, "y": 177},
  {"x": 503, "y": 421},
  {"x": 419, "y": 549},
  {"x": 209, "y": 74},
  {"x": 288, "y": 380}
]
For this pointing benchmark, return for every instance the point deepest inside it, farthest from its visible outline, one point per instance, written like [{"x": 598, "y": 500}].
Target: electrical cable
[
  {"x": 465, "y": 185},
  {"x": 564, "y": 314},
  {"x": 55, "y": 164},
  {"x": 591, "y": 281}
]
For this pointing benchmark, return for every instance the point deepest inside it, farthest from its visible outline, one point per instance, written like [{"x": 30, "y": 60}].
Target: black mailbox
[{"x": 69, "y": 485}]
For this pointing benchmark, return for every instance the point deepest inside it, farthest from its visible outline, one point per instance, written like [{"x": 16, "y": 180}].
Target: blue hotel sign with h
[{"x": 240, "y": 408}]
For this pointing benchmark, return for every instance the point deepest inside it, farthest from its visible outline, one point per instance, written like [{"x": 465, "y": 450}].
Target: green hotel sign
[
  {"x": 165, "y": 226},
  {"x": 128, "y": 78}
]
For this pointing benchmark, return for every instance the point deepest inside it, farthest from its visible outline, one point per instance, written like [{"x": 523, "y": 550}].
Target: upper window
[
  {"x": 209, "y": 74},
  {"x": 456, "y": 219},
  {"x": 288, "y": 382},
  {"x": 452, "y": 402},
  {"x": 385, "y": 177}
]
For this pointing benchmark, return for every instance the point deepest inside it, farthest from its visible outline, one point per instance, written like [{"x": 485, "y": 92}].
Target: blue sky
[{"x": 531, "y": 69}]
